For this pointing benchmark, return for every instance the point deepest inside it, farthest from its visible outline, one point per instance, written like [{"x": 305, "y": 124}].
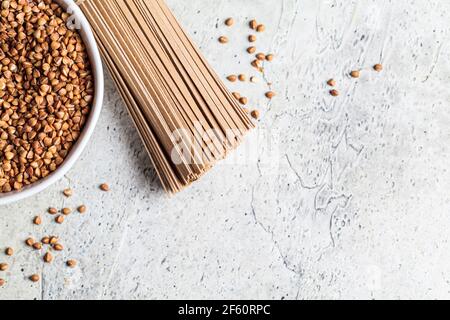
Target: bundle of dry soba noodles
[{"x": 186, "y": 117}]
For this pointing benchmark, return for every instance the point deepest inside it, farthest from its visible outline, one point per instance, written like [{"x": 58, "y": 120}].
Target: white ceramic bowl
[{"x": 97, "y": 69}]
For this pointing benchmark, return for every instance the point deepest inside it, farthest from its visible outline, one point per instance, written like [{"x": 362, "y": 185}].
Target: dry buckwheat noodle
[{"x": 186, "y": 117}]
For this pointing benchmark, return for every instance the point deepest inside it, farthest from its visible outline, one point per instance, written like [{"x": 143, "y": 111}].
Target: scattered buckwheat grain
[
  {"x": 232, "y": 78},
  {"x": 59, "y": 219},
  {"x": 223, "y": 40},
  {"x": 355, "y": 74},
  {"x": 261, "y": 56},
  {"x": 229, "y": 22},
  {"x": 243, "y": 101},
  {"x": 53, "y": 240},
  {"x": 261, "y": 28},
  {"x": 34, "y": 278},
  {"x": 29, "y": 242},
  {"x": 270, "y": 94},
  {"x": 255, "y": 114},
  {"x": 71, "y": 263},
  {"x": 251, "y": 50},
  {"x": 334, "y": 93},
  {"x": 37, "y": 220},
  {"x": 378, "y": 67},
  {"x": 82, "y": 209},
  {"x": 68, "y": 192},
  {"x": 48, "y": 258},
  {"x": 46, "y": 91}
]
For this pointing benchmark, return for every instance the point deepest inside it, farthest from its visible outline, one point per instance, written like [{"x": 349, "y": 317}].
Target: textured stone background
[{"x": 350, "y": 200}]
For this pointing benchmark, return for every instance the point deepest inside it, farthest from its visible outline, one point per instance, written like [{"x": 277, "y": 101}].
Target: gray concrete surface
[{"x": 349, "y": 200}]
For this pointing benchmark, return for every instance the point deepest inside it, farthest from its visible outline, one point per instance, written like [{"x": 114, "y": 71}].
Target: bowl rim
[{"x": 76, "y": 151}]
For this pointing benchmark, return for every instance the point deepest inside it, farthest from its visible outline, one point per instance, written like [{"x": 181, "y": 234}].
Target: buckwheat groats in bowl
[{"x": 46, "y": 90}]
